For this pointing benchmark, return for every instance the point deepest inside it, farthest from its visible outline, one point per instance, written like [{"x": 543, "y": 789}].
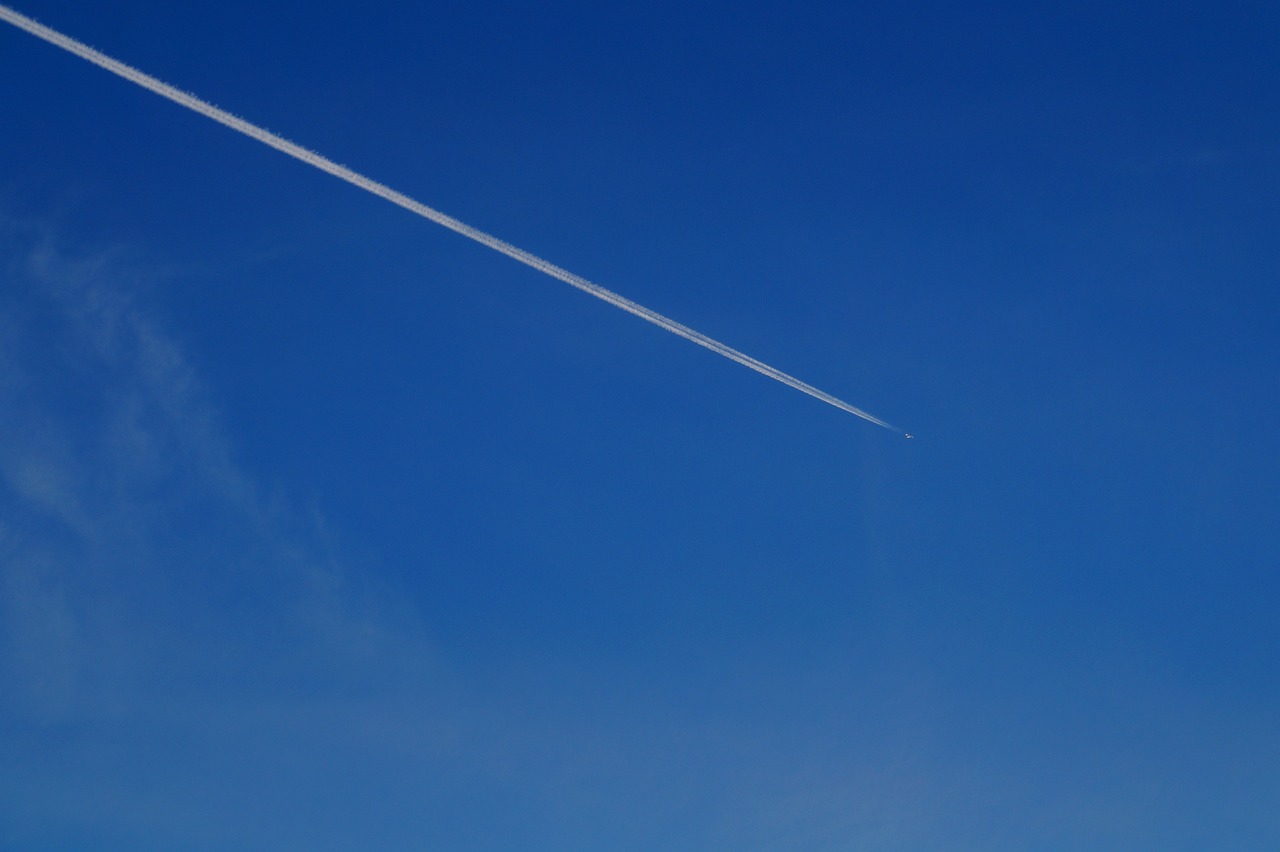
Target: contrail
[{"x": 266, "y": 137}]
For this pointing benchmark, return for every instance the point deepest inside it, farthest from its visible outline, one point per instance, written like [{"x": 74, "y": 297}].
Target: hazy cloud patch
[{"x": 128, "y": 523}]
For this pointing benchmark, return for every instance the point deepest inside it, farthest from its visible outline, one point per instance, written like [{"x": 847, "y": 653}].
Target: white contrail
[{"x": 266, "y": 137}]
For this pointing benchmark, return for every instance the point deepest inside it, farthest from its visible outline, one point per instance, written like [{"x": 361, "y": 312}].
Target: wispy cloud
[{"x": 126, "y": 512}]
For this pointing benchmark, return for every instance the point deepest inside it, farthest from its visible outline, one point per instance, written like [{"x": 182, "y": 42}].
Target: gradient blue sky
[{"x": 323, "y": 528}]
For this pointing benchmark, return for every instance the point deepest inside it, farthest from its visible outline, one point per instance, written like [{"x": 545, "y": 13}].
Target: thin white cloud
[{"x": 126, "y": 509}]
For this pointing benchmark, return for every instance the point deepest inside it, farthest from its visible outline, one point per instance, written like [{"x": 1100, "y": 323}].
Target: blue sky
[{"x": 324, "y": 528}]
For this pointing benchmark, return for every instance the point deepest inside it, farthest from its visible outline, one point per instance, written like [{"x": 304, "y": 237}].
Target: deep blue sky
[{"x": 324, "y": 528}]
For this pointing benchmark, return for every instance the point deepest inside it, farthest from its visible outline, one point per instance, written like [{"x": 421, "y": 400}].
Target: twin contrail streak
[{"x": 266, "y": 137}]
